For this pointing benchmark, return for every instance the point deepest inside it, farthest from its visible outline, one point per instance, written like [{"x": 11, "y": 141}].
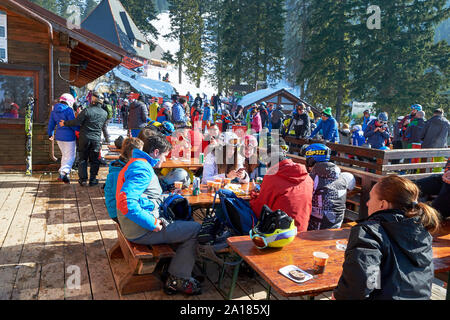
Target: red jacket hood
[{"x": 290, "y": 171}]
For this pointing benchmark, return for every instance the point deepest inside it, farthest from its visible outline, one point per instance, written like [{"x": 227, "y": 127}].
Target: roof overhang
[{"x": 101, "y": 55}]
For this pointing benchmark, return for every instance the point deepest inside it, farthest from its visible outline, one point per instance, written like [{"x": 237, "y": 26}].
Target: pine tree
[
  {"x": 89, "y": 7},
  {"x": 186, "y": 26},
  {"x": 142, "y": 12},
  {"x": 327, "y": 60},
  {"x": 296, "y": 40},
  {"x": 50, "y": 5},
  {"x": 399, "y": 64}
]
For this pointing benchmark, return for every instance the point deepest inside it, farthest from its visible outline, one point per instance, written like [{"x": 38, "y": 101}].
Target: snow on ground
[{"x": 114, "y": 130}]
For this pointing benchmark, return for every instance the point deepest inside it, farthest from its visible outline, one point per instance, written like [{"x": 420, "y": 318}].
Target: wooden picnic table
[
  {"x": 204, "y": 199},
  {"x": 192, "y": 165},
  {"x": 267, "y": 262}
]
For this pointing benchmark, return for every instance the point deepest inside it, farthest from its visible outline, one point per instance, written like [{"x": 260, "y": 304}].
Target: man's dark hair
[
  {"x": 439, "y": 111},
  {"x": 156, "y": 141},
  {"x": 182, "y": 100},
  {"x": 141, "y": 98}
]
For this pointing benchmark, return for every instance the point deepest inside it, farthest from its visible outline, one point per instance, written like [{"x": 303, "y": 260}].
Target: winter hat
[
  {"x": 327, "y": 112},
  {"x": 357, "y": 128}
]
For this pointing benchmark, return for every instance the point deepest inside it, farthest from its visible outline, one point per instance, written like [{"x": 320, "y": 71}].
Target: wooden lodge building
[{"x": 41, "y": 55}]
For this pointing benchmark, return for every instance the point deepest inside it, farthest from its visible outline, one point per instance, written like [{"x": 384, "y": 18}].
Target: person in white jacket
[{"x": 224, "y": 160}]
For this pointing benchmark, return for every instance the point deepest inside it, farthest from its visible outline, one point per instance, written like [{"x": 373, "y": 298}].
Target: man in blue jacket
[
  {"x": 377, "y": 131},
  {"x": 179, "y": 114},
  {"x": 329, "y": 127},
  {"x": 64, "y": 136},
  {"x": 139, "y": 196},
  {"x": 110, "y": 190},
  {"x": 207, "y": 115}
]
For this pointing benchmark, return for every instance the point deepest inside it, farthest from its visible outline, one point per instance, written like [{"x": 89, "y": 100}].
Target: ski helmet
[
  {"x": 275, "y": 229},
  {"x": 416, "y": 107},
  {"x": 167, "y": 104},
  {"x": 167, "y": 128},
  {"x": 67, "y": 98},
  {"x": 317, "y": 151}
]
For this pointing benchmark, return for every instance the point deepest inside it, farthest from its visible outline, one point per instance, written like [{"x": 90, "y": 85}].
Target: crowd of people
[{"x": 314, "y": 195}]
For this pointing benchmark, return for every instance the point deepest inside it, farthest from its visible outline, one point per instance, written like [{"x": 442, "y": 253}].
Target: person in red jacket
[{"x": 286, "y": 186}]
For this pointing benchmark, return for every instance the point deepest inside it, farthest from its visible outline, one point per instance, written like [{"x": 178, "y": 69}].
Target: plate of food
[
  {"x": 236, "y": 188},
  {"x": 295, "y": 274}
]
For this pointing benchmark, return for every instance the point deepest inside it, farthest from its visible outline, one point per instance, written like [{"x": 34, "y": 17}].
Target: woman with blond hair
[{"x": 389, "y": 255}]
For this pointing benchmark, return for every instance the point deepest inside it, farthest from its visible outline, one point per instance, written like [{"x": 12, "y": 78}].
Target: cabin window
[{"x": 14, "y": 92}]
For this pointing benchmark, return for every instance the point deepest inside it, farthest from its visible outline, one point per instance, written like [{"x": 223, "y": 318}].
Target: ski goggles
[{"x": 262, "y": 242}]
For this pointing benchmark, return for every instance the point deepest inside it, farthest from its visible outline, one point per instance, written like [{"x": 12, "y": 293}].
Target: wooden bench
[{"x": 144, "y": 263}]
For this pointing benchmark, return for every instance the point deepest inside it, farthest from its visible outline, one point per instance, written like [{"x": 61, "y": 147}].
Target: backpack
[
  {"x": 276, "y": 116},
  {"x": 175, "y": 207},
  {"x": 108, "y": 109},
  {"x": 233, "y": 217}
]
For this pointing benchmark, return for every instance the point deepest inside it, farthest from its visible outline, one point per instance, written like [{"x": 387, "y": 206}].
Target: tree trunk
[{"x": 180, "y": 56}]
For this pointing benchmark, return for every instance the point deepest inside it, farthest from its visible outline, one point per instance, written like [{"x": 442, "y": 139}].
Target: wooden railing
[{"x": 379, "y": 161}]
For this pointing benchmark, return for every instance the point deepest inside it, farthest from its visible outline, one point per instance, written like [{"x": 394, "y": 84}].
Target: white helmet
[
  {"x": 167, "y": 104},
  {"x": 229, "y": 138},
  {"x": 67, "y": 98}
]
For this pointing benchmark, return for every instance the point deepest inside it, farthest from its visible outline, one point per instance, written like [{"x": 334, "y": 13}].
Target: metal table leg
[
  {"x": 447, "y": 296},
  {"x": 268, "y": 292},
  {"x": 234, "y": 279}
]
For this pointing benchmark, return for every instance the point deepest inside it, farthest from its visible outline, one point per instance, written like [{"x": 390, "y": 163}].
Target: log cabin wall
[{"x": 28, "y": 42}]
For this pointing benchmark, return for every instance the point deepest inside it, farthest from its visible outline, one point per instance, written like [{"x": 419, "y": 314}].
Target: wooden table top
[
  {"x": 204, "y": 199},
  {"x": 193, "y": 164},
  {"x": 268, "y": 261}
]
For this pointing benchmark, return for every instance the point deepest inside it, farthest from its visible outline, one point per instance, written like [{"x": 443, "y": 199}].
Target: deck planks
[
  {"x": 48, "y": 226},
  {"x": 13, "y": 243},
  {"x": 27, "y": 280}
]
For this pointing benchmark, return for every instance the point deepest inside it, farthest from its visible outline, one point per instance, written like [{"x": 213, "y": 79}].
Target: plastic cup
[
  {"x": 219, "y": 180},
  {"x": 178, "y": 186},
  {"x": 210, "y": 184},
  {"x": 341, "y": 245},
  {"x": 216, "y": 187},
  {"x": 320, "y": 261}
]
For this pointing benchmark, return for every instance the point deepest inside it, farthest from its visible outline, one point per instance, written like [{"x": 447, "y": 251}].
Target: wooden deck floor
[{"x": 49, "y": 229}]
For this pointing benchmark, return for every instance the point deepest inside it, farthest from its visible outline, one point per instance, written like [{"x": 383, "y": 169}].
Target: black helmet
[{"x": 271, "y": 220}]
